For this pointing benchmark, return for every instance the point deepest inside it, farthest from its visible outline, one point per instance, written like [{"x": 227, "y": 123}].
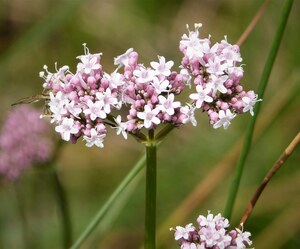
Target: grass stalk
[{"x": 261, "y": 90}]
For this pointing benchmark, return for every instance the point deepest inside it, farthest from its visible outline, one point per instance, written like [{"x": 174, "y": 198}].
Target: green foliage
[{"x": 51, "y": 31}]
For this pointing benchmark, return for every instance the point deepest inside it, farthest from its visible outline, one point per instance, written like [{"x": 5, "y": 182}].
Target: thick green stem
[
  {"x": 150, "y": 209},
  {"x": 64, "y": 210},
  {"x": 262, "y": 86}
]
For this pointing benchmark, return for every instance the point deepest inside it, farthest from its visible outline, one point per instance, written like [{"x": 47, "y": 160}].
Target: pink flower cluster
[
  {"x": 83, "y": 103},
  {"x": 216, "y": 74},
  {"x": 211, "y": 233},
  {"x": 23, "y": 142}
]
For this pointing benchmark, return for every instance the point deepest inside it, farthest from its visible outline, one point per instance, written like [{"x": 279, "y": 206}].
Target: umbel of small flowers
[
  {"x": 211, "y": 232},
  {"x": 23, "y": 142},
  {"x": 84, "y": 103}
]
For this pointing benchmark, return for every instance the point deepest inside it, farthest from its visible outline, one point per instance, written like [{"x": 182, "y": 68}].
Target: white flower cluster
[
  {"x": 84, "y": 103},
  {"x": 211, "y": 233}
]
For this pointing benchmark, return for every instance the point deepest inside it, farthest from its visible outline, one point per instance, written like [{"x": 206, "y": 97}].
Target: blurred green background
[{"x": 34, "y": 33}]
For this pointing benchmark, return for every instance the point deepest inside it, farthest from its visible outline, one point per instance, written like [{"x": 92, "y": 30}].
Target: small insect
[{"x": 33, "y": 99}]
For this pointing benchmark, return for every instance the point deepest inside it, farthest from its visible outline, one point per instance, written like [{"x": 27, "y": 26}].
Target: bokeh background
[{"x": 34, "y": 33}]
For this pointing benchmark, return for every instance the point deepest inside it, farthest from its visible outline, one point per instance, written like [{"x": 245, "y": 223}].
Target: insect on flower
[{"x": 32, "y": 99}]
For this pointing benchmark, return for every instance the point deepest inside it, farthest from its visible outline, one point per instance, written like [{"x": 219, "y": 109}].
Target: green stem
[
  {"x": 99, "y": 216},
  {"x": 261, "y": 89},
  {"x": 163, "y": 132},
  {"x": 150, "y": 209},
  {"x": 64, "y": 210}
]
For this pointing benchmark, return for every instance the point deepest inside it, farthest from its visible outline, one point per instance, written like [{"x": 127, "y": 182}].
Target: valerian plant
[{"x": 143, "y": 101}]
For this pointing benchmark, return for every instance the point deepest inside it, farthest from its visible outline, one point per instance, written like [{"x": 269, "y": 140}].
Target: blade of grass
[
  {"x": 261, "y": 90},
  {"x": 115, "y": 211},
  {"x": 103, "y": 210}
]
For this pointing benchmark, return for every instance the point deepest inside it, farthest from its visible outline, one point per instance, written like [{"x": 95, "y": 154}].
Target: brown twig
[
  {"x": 278, "y": 164},
  {"x": 253, "y": 22}
]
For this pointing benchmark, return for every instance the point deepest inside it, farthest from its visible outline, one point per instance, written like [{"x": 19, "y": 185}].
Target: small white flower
[
  {"x": 186, "y": 76},
  {"x": 95, "y": 110},
  {"x": 160, "y": 86},
  {"x": 168, "y": 105},
  {"x": 94, "y": 139},
  {"x": 57, "y": 113},
  {"x": 184, "y": 232},
  {"x": 144, "y": 75},
  {"x": 208, "y": 221},
  {"x": 108, "y": 100},
  {"x": 230, "y": 54},
  {"x": 224, "y": 119},
  {"x": 201, "y": 96},
  {"x": 242, "y": 238},
  {"x": 249, "y": 104},
  {"x": 57, "y": 106},
  {"x": 216, "y": 83},
  {"x": 189, "y": 112},
  {"x": 149, "y": 116},
  {"x": 121, "y": 127},
  {"x": 75, "y": 110},
  {"x": 89, "y": 63},
  {"x": 195, "y": 47},
  {"x": 162, "y": 67},
  {"x": 123, "y": 59},
  {"x": 66, "y": 128},
  {"x": 58, "y": 100},
  {"x": 214, "y": 66},
  {"x": 115, "y": 79}
]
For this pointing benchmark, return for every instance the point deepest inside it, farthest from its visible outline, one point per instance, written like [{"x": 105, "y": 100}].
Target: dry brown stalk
[{"x": 277, "y": 165}]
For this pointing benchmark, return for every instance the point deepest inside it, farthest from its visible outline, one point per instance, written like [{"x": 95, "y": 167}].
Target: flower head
[
  {"x": 24, "y": 141},
  {"x": 211, "y": 233},
  {"x": 90, "y": 98}
]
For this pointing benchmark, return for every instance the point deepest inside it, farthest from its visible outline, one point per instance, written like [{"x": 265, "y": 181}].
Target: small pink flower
[
  {"x": 224, "y": 119},
  {"x": 168, "y": 105},
  {"x": 162, "y": 67},
  {"x": 123, "y": 59},
  {"x": 94, "y": 139},
  {"x": 201, "y": 96},
  {"x": 66, "y": 128},
  {"x": 149, "y": 116}
]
